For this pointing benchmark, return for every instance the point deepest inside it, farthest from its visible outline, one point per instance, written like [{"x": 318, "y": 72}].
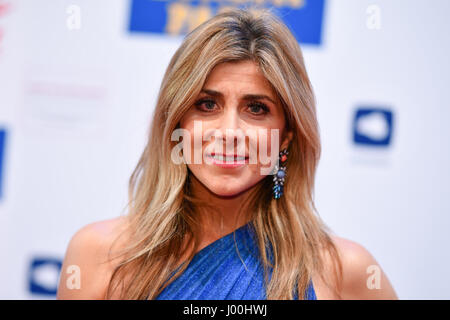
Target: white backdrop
[{"x": 75, "y": 106}]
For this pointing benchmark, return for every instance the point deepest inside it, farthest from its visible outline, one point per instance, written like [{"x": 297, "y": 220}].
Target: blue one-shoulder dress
[{"x": 221, "y": 272}]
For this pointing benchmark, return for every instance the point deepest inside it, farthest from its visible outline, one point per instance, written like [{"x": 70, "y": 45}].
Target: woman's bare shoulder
[
  {"x": 86, "y": 271},
  {"x": 363, "y": 277},
  {"x": 104, "y": 230}
]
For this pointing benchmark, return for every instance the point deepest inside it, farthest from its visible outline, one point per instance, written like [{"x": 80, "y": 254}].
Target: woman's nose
[
  {"x": 230, "y": 126},
  {"x": 229, "y": 119}
]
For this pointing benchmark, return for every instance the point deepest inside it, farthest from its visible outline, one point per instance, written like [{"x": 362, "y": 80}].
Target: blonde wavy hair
[{"x": 161, "y": 209}]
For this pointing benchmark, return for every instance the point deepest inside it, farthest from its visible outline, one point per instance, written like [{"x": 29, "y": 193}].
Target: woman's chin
[{"x": 227, "y": 192}]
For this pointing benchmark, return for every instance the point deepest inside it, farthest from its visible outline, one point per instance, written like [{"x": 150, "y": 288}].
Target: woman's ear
[{"x": 287, "y": 140}]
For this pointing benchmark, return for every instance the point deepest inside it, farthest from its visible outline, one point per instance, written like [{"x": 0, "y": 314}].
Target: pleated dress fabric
[{"x": 227, "y": 269}]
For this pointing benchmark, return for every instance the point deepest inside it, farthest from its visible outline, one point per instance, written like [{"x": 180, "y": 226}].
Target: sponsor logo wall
[
  {"x": 2, "y": 156},
  {"x": 372, "y": 126},
  {"x": 78, "y": 84},
  {"x": 178, "y": 17}
]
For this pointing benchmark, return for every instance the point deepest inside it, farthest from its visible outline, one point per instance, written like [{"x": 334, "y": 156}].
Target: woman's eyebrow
[
  {"x": 258, "y": 97},
  {"x": 215, "y": 93}
]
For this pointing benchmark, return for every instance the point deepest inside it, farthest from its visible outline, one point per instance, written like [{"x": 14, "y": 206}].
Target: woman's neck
[{"x": 225, "y": 215}]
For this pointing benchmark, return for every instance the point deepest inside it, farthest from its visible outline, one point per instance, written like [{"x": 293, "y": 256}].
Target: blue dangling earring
[{"x": 280, "y": 174}]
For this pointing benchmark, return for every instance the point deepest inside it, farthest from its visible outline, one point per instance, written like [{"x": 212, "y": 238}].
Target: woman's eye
[
  {"x": 258, "y": 108},
  {"x": 205, "y": 105}
]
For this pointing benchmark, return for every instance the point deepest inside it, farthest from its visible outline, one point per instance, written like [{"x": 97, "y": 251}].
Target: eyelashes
[
  {"x": 201, "y": 102},
  {"x": 207, "y": 105},
  {"x": 260, "y": 105}
]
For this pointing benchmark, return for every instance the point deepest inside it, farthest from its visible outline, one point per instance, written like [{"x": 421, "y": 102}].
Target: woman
[{"x": 226, "y": 227}]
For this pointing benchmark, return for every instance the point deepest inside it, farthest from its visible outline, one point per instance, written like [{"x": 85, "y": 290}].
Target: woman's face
[{"x": 238, "y": 98}]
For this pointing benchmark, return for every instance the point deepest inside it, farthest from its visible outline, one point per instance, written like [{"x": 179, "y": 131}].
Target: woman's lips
[{"x": 228, "y": 162}]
